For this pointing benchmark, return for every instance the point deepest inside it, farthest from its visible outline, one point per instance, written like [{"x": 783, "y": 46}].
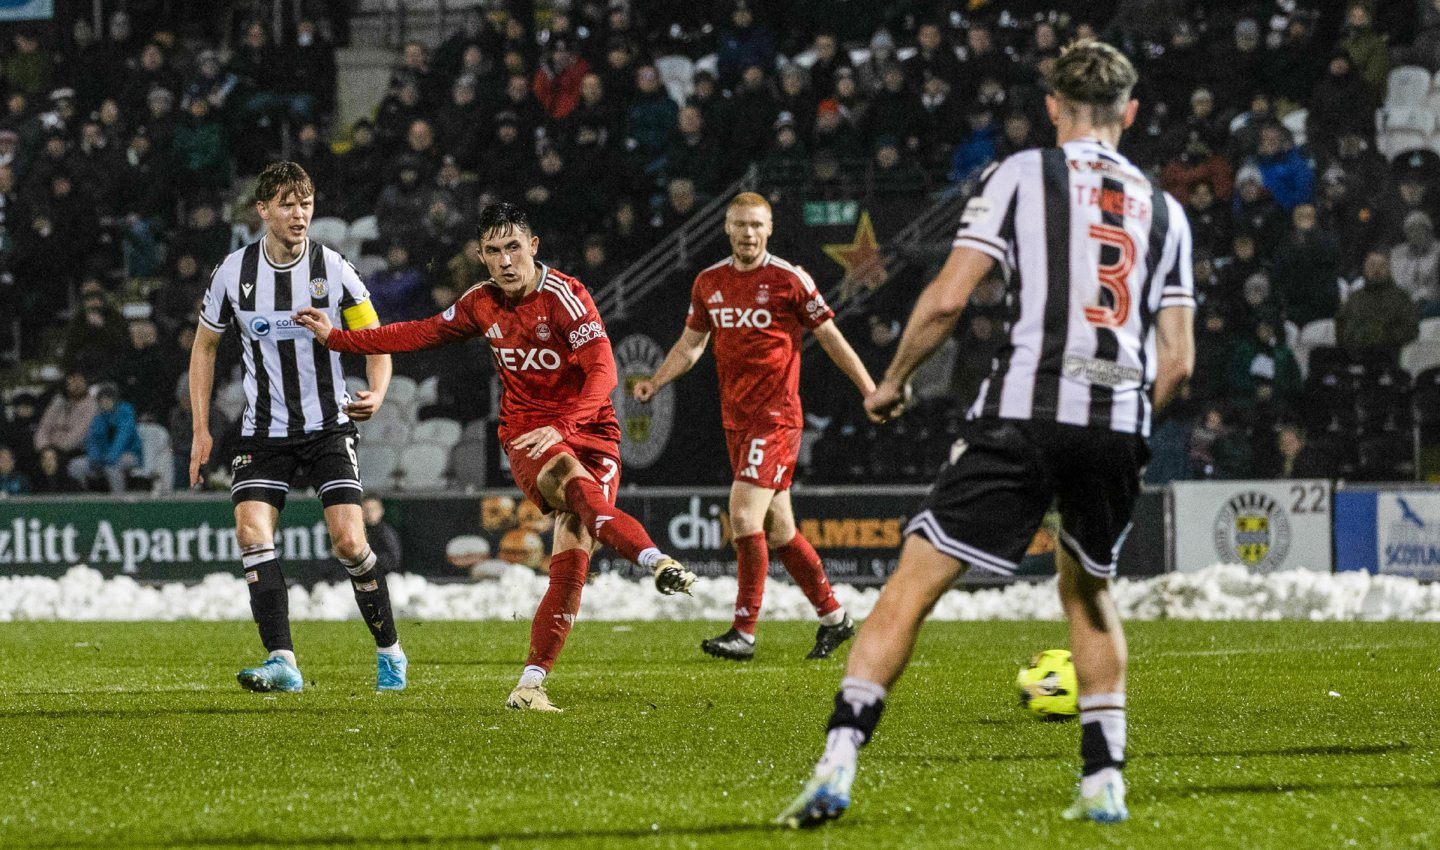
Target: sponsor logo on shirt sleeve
[{"x": 585, "y": 333}]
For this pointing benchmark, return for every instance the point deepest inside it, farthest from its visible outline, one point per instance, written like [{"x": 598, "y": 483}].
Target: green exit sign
[{"x": 821, "y": 213}]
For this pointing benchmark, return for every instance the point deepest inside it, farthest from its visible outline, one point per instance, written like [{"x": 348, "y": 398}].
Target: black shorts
[
  {"x": 1003, "y": 474},
  {"x": 265, "y": 468}
]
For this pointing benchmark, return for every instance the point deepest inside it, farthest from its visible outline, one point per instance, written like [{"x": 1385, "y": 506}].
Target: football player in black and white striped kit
[
  {"x": 298, "y": 426},
  {"x": 1101, "y": 303}
]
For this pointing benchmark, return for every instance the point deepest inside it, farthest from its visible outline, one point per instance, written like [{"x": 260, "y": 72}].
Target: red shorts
[
  {"x": 599, "y": 455},
  {"x": 765, "y": 456}
]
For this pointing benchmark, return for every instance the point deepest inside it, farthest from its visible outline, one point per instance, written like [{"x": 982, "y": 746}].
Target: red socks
[
  {"x": 803, "y": 564},
  {"x": 558, "y": 608},
  {"x": 753, "y": 562},
  {"x": 609, "y": 524}
]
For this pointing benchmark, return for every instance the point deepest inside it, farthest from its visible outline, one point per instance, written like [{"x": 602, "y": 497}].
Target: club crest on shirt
[
  {"x": 449, "y": 314},
  {"x": 319, "y": 287},
  {"x": 762, "y": 295},
  {"x": 542, "y": 332}
]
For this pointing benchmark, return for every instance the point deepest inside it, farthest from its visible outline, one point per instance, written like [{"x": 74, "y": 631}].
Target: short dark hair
[
  {"x": 502, "y": 218},
  {"x": 279, "y": 179}
]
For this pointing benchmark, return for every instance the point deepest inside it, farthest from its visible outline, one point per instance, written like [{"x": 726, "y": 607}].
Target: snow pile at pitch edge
[{"x": 1220, "y": 592}]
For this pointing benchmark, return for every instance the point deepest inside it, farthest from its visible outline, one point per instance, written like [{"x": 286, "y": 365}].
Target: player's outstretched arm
[
  {"x": 681, "y": 359},
  {"x": 395, "y": 338},
  {"x": 202, "y": 383},
  {"x": 838, "y": 347},
  {"x": 1175, "y": 351},
  {"x": 931, "y": 322}
]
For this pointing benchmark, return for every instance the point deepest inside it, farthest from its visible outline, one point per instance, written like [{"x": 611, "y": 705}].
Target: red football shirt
[
  {"x": 549, "y": 348},
  {"x": 756, "y": 319}
]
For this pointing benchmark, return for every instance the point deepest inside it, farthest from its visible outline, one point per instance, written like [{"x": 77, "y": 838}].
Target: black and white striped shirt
[
  {"x": 293, "y": 384},
  {"x": 1091, "y": 252}
]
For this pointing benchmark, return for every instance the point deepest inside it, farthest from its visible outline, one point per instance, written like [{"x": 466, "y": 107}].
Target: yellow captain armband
[{"x": 360, "y": 315}]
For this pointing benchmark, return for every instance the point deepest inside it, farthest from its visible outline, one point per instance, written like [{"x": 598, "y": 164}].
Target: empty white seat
[
  {"x": 391, "y": 430},
  {"x": 677, "y": 74},
  {"x": 377, "y": 464},
  {"x": 1430, "y": 328},
  {"x": 476, "y": 429},
  {"x": 440, "y": 432},
  {"x": 1316, "y": 334},
  {"x": 369, "y": 264},
  {"x": 1292, "y": 334},
  {"x": 402, "y": 391},
  {"x": 329, "y": 230},
  {"x": 1295, "y": 121},
  {"x": 1401, "y": 130},
  {"x": 429, "y": 391},
  {"x": 364, "y": 228},
  {"x": 231, "y": 399},
  {"x": 467, "y": 463},
  {"x": 709, "y": 62},
  {"x": 1408, "y": 87},
  {"x": 1420, "y": 355},
  {"x": 422, "y": 467},
  {"x": 159, "y": 462}
]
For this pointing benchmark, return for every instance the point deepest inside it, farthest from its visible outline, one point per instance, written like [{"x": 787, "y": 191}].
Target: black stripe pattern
[
  {"x": 1055, "y": 177},
  {"x": 1107, "y": 344},
  {"x": 1159, "y": 232},
  {"x": 324, "y": 375},
  {"x": 289, "y": 358}
]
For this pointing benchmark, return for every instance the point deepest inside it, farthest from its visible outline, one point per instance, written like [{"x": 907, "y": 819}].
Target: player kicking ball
[
  {"x": 556, "y": 422},
  {"x": 1098, "y": 267},
  {"x": 757, "y": 306}
]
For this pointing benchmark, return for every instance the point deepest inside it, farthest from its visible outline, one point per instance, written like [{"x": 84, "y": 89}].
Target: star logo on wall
[{"x": 860, "y": 258}]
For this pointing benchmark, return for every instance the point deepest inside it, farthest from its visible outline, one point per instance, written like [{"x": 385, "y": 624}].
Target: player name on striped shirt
[{"x": 1091, "y": 251}]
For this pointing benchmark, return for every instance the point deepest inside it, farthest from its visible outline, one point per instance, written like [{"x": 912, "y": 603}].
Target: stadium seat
[
  {"x": 677, "y": 73},
  {"x": 429, "y": 391},
  {"x": 476, "y": 429},
  {"x": 159, "y": 463},
  {"x": 1409, "y": 85},
  {"x": 1420, "y": 355},
  {"x": 386, "y": 429},
  {"x": 402, "y": 391},
  {"x": 1320, "y": 332},
  {"x": 1295, "y": 121},
  {"x": 1292, "y": 334},
  {"x": 467, "y": 463},
  {"x": 329, "y": 231},
  {"x": 1387, "y": 457},
  {"x": 355, "y": 383},
  {"x": 709, "y": 62},
  {"x": 377, "y": 464},
  {"x": 422, "y": 467},
  {"x": 859, "y": 56},
  {"x": 1430, "y": 328},
  {"x": 1400, "y": 130},
  {"x": 364, "y": 228},
  {"x": 231, "y": 399},
  {"x": 440, "y": 432},
  {"x": 370, "y": 264}
]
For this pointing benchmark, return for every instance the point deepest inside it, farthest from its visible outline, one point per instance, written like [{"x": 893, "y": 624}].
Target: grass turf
[{"x": 1246, "y": 735}]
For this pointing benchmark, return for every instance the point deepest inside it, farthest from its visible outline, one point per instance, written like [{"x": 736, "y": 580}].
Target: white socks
[
  {"x": 649, "y": 557},
  {"x": 532, "y": 676},
  {"x": 834, "y": 618},
  {"x": 286, "y": 654},
  {"x": 392, "y": 650},
  {"x": 842, "y": 748}
]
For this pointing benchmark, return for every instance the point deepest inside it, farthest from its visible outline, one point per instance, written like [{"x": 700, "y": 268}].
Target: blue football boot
[
  {"x": 825, "y": 798},
  {"x": 390, "y": 671},
  {"x": 275, "y": 674}
]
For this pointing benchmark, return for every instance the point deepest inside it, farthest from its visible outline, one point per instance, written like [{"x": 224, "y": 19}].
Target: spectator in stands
[
  {"x": 201, "y": 150},
  {"x": 50, "y": 477},
  {"x": 1233, "y": 67},
  {"x": 96, "y": 337},
  {"x": 1293, "y": 456},
  {"x": 518, "y": 99},
  {"x": 834, "y": 133},
  {"x": 112, "y": 444},
  {"x": 66, "y": 421},
  {"x": 894, "y": 111},
  {"x": 147, "y": 372},
  {"x": 1283, "y": 169},
  {"x": 680, "y": 204},
  {"x": 943, "y": 122},
  {"x": 593, "y": 134},
  {"x": 1215, "y": 349},
  {"x": 1366, "y": 47},
  {"x": 398, "y": 291},
  {"x": 797, "y": 97},
  {"x": 1307, "y": 268},
  {"x": 557, "y": 81},
  {"x": 1210, "y": 224},
  {"x": 871, "y": 72},
  {"x": 1254, "y": 211},
  {"x": 752, "y": 114},
  {"x": 212, "y": 82},
  {"x": 176, "y": 302},
  {"x": 596, "y": 270},
  {"x": 507, "y": 161},
  {"x": 830, "y": 62},
  {"x": 693, "y": 153},
  {"x": 652, "y": 116},
  {"x": 618, "y": 72},
  {"x": 312, "y": 154},
  {"x": 460, "y": 127},
  {"x": 97, "y": 165},
  {"x": 383, "y": 538},
  {"x": 310, "y": 59},
  {"x": 401, "y": 205},
  {"x": 1197, "y": 163},
  {"x": 744, "y": 44},
  {"x": 1218, "y": 450},
  {"x": 1379, "y": 319},
  {"x": 1415, "y": 263},
  {"x": 1293, "y": 67},
  {"x": 13, "y": 482},
  {"x": 934, "y": 58},
  {"x": 894, "y": 175},
  {"x": 205, "y": 235},
  {"x": 1264, "y": 370},
  {"x": 786, "y": 164},
  {"x": 359, "y": 173},
  {"x": 1341, "y": 103}
]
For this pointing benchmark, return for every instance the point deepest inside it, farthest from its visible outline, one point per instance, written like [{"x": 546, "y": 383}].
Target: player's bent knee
[{"x": 348, "y": 544}]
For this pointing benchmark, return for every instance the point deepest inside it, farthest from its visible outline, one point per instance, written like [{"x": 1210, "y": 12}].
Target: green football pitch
[{"x": 1242, "y": 735}]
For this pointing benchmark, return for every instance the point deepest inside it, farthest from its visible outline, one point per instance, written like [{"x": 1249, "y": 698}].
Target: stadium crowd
[{"x": 125, "y": 158}]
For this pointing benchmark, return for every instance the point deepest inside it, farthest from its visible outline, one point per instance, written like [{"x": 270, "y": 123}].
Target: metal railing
[{"x": 674, "y": 251}]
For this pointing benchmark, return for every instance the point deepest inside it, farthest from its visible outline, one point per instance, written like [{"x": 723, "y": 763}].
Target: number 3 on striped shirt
[{"x": 1113, "y": 276}]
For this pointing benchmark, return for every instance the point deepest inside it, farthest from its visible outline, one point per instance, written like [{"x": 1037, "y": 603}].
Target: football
[{"x": 1047, "y": 685}]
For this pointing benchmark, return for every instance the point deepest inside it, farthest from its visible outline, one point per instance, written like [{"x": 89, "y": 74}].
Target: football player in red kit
[
  {"x": 756, "y": 306},
  {"x": 556, "y": 421}
]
